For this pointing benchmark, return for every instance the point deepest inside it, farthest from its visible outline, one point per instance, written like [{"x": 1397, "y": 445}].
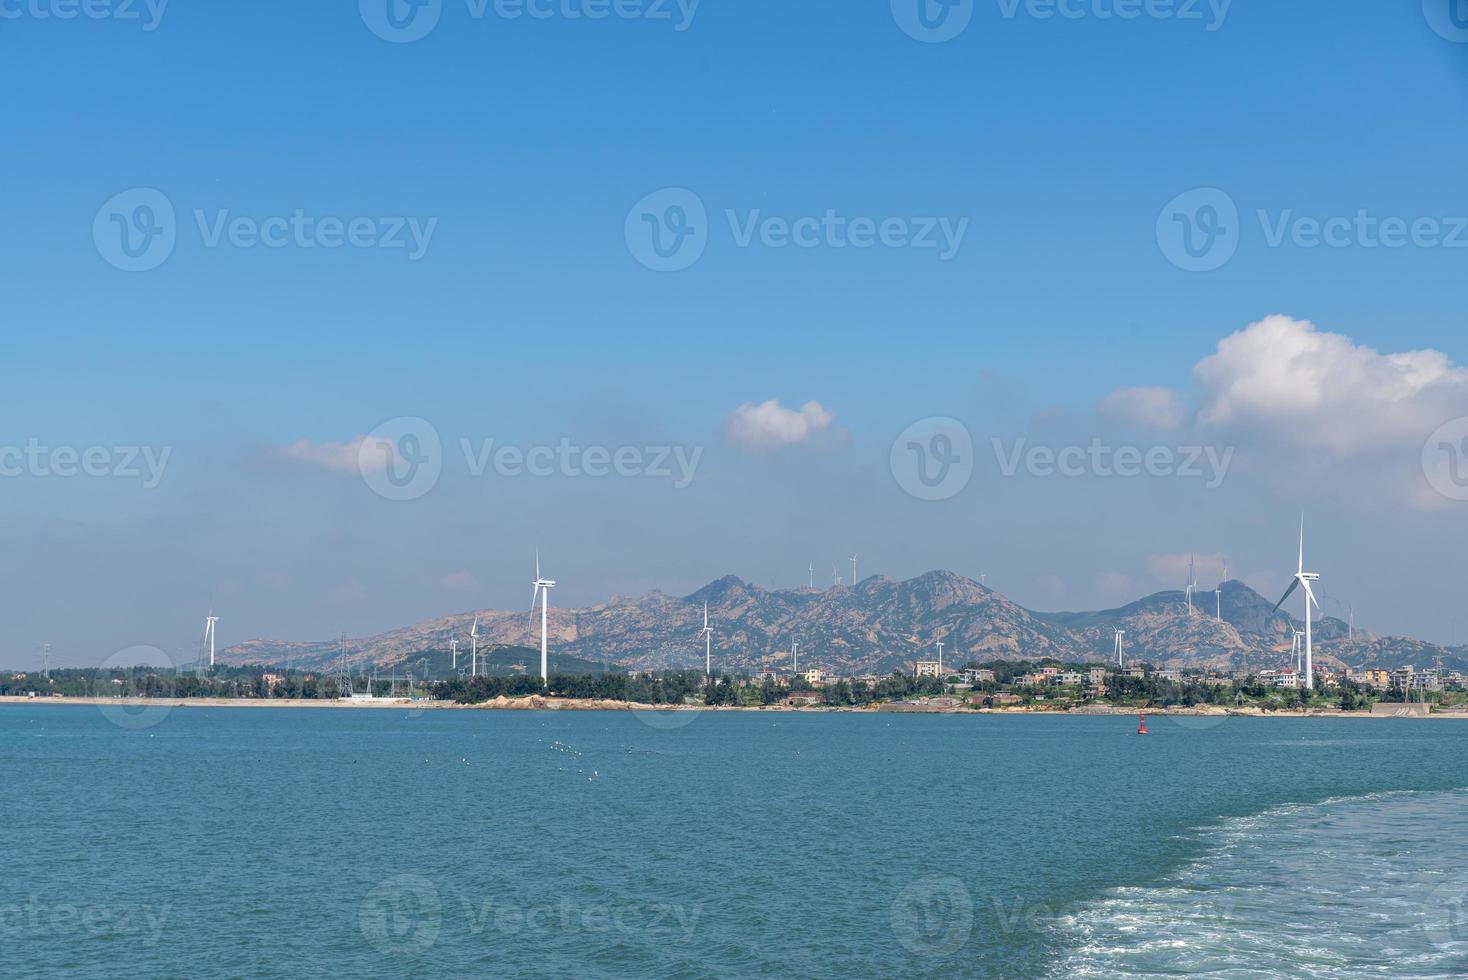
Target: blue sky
[{"x": 528, "y": 319}]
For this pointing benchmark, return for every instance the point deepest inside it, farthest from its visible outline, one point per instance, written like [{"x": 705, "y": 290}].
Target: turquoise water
[{"x": 267, "y": 842}]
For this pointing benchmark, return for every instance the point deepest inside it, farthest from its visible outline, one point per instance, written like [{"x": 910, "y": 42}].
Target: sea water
[{"x": 240, "y": 842}]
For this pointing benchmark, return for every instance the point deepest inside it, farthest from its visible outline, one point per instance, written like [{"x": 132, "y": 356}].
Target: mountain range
[{"x": 878, "y": 625}]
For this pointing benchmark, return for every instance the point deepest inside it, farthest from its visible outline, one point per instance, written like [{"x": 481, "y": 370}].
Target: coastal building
[
  {"x": 1097, "y": 677},
  {"x": 773, "y": 676},
  {"x": 1378, "y": 679},
  {"x": 999, "y": 700},
  {"x": 1136, "y": 671},
  {"x": 975, "y": 675},
  {"x": 928, "y": 668},
  {"x": 1069, "y": 678},
  {"x": 1170, "y": 675},
  {"x": 816, "y": 676},
  {"x": 802, "y": 698},
  {"x": 1285, "y": 678}
]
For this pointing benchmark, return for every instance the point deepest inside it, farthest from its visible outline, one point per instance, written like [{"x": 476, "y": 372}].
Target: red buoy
[{"x": 1142, "y": 728}]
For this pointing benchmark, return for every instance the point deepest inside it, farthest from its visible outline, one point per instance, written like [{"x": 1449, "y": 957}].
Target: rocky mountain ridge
[{"x": 878, "y": 625}]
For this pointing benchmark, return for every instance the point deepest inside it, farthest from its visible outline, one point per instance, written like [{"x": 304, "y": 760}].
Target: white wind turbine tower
[
  {"x": 1192, "y": 584},
  {"x": 795, "y": 653},
  {"x": 454, "y": 654},
  {"x": 1304, "y": 578},
  {"x": 853, "y": 570},
  {"x": 708, "y": 643},
  {"x": 542, "y": 590},
  {"x": 1295, "y": 650},
  {"x": 812, "y": 575},
  {"x": 1119, "y": 635},
  {"x": 1218, "y": 593},
  {"x": 209, "y": 622},
  {"x": 474, "y": 647}
]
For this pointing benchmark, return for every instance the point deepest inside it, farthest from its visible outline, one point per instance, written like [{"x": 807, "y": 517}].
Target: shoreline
[{"x": 537, "y": 703}]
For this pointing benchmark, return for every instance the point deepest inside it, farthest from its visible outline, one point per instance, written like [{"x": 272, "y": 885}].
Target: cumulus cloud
[
  {"x": 337, "y": 457},
  {"x": 1153, "y": 408},
  {"x": 769, "y": 425},
  {"x": 1286, "y": 379}
]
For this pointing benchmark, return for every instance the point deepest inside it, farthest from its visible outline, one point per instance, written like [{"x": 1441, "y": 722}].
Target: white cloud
[
  {"x": 1286, "y": 379},
  {"x": 1154, "y": 408},
  {"x": 338, "y": 457},
  {"x": 770, "y": 426}
]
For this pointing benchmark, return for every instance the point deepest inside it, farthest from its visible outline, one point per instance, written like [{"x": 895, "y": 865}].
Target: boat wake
[{"x": 1357, "y": 887}]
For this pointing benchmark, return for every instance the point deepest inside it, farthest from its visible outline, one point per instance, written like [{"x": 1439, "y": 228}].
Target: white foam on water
[{"x": 1362, "y": 886}]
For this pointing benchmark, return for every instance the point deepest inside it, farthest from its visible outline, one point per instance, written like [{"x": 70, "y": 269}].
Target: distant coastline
[{"x": 536, "y": 703}]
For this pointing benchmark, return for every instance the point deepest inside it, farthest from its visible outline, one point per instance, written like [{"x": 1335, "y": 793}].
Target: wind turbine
[
  {"x": 812, "y": 575},
  {"x": 708, "y": 643},
  {"x": 1192, "y": 584},
  {"x": 853, "y": 570},
  {"x": 1119, "y": 635},
  {"x": 542, "y": 589},
  {"x": 454, "y": 653},
  {"x": 940, "y": 656},
  {"x": 1304, "y": 578},
  {"x": 1218, "y": 593},
  {"x": 474, "y": 647},
  {"x": 835, "y": 575},
  {"x": 1295, "y": 650},
  {"x": 209, "y": 622},
  {"x": 795, "y": 653}
]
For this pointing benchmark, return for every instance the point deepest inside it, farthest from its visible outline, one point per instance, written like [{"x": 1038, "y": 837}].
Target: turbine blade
[
  {"x": 1302, "y": 544},
  {"x": 1310, "y": 592},
  {"x": 1288, "y": 592}
]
